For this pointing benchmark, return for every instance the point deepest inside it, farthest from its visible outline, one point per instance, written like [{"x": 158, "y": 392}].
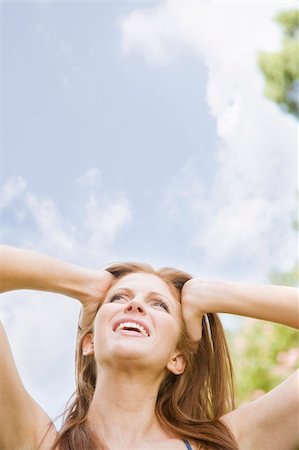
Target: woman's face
[{"x": 139, "y": 321}]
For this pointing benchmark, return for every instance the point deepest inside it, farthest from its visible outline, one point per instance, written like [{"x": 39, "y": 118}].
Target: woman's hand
[
  {"x": 192, "y": 314},
  {"x": 98, "y": 283},
  {"x": 198, "y": 298}
]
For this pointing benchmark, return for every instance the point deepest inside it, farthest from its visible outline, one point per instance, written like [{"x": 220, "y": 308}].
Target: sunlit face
[{"x": 144, "y": 300}]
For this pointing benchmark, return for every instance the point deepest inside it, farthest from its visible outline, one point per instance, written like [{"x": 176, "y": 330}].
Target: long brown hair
[{"x": 188, "y": 406}]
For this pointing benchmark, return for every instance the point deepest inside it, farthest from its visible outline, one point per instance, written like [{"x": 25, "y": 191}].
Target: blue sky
[{"x": 137, "y": 131}]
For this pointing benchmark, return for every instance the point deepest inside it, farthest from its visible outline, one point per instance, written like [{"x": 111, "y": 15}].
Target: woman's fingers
[
  {"x": 98, "y": 283},
  {"x": 193, "y": 323},
  {"x": 192, "y": 314},
  {"x": 101, "y": 283}
]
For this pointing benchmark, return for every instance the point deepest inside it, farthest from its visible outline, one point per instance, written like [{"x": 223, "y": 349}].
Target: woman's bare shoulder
[
  {"x": 46, "y": 432},
  {"x": 254, "y": 421}
]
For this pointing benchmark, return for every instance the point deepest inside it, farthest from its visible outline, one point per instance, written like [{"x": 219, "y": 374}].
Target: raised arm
[
  {"x": 277, "y": 304},
  {"x": 23, "y": 269},
  {"x": 270, "y": 422},
  {"x": 23, "y": 421}
]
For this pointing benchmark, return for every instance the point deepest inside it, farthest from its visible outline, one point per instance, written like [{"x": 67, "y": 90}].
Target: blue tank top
[{"x": 187, "y": 444}]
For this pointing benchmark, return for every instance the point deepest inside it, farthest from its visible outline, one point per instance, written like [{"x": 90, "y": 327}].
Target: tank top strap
[{"x": 187, "y": 444}]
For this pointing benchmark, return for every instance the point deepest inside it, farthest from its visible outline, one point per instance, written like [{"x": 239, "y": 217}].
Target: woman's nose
[{"x": 135, "y": 306}]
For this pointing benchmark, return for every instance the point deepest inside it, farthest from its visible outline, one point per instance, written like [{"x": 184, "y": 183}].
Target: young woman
[{"x": 152, "y": 365}]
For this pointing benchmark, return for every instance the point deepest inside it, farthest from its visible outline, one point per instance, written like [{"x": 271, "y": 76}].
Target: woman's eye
[
  {"x": 159, "y": 302},
  {"x": 117, "y": 297}
]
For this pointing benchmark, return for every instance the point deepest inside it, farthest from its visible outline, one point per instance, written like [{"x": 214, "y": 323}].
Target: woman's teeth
[{"x": 132, "y": 325}]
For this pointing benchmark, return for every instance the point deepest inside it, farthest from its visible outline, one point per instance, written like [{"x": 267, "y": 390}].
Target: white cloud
[
  {"x": 13, "y": 189},
  {"x": 104, "y": 217},
  {"x": 246, "y": 206},
  {"x": 42, "y": 214},
  {"x": 226, "y": 35},
  {"x": 53, "y": 232},
  {"x": 50, "y": 224},
  {"x": 91, "y": 179},
  {"x": 105, "y": 224}
]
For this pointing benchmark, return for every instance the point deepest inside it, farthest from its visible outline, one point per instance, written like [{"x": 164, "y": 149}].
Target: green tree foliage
[
  {"x": 281, "y": 69},
  {"x": 264, "y": 354},
  {"x": 287, "y": 278}
]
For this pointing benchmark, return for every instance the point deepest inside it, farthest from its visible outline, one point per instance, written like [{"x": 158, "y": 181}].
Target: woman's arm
[
  {"x": 271, "y": 422},
  {"x": 23, "y": 421},
  {"x": 272, "y": 303},
  {"x": 23, "y": 269}
]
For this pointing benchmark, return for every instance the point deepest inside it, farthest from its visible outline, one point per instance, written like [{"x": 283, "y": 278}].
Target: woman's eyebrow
[
  {"x": 129, "y": 291},
  {"x": 151, "y": 293},
  {"x": 159, "y": 295}
]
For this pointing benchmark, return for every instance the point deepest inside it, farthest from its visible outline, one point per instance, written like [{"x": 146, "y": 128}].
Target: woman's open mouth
[
  {"x": 130, "y": 332},
  {"x": 131, "y": 329}
]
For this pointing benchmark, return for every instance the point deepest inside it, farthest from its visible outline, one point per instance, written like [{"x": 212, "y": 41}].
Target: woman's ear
[
  {"x": 87, "y": 345},
  {"x": 177, "y": 364}
]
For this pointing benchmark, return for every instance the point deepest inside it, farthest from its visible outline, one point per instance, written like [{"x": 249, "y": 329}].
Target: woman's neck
[{"x": 122, "y": 411}]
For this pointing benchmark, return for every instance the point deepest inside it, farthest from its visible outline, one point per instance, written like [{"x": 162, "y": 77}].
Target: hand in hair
[
  {"x": 192, "y": 308},
  {"x": 198, "y": 298},
  {"x": 101, "y": 282}
]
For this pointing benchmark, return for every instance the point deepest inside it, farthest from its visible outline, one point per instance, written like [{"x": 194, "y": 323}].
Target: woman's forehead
[{"x": 141, "y": 281}]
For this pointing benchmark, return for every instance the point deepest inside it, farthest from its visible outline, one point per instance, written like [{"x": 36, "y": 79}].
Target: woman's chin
[{"x": 128, "y": 350}]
